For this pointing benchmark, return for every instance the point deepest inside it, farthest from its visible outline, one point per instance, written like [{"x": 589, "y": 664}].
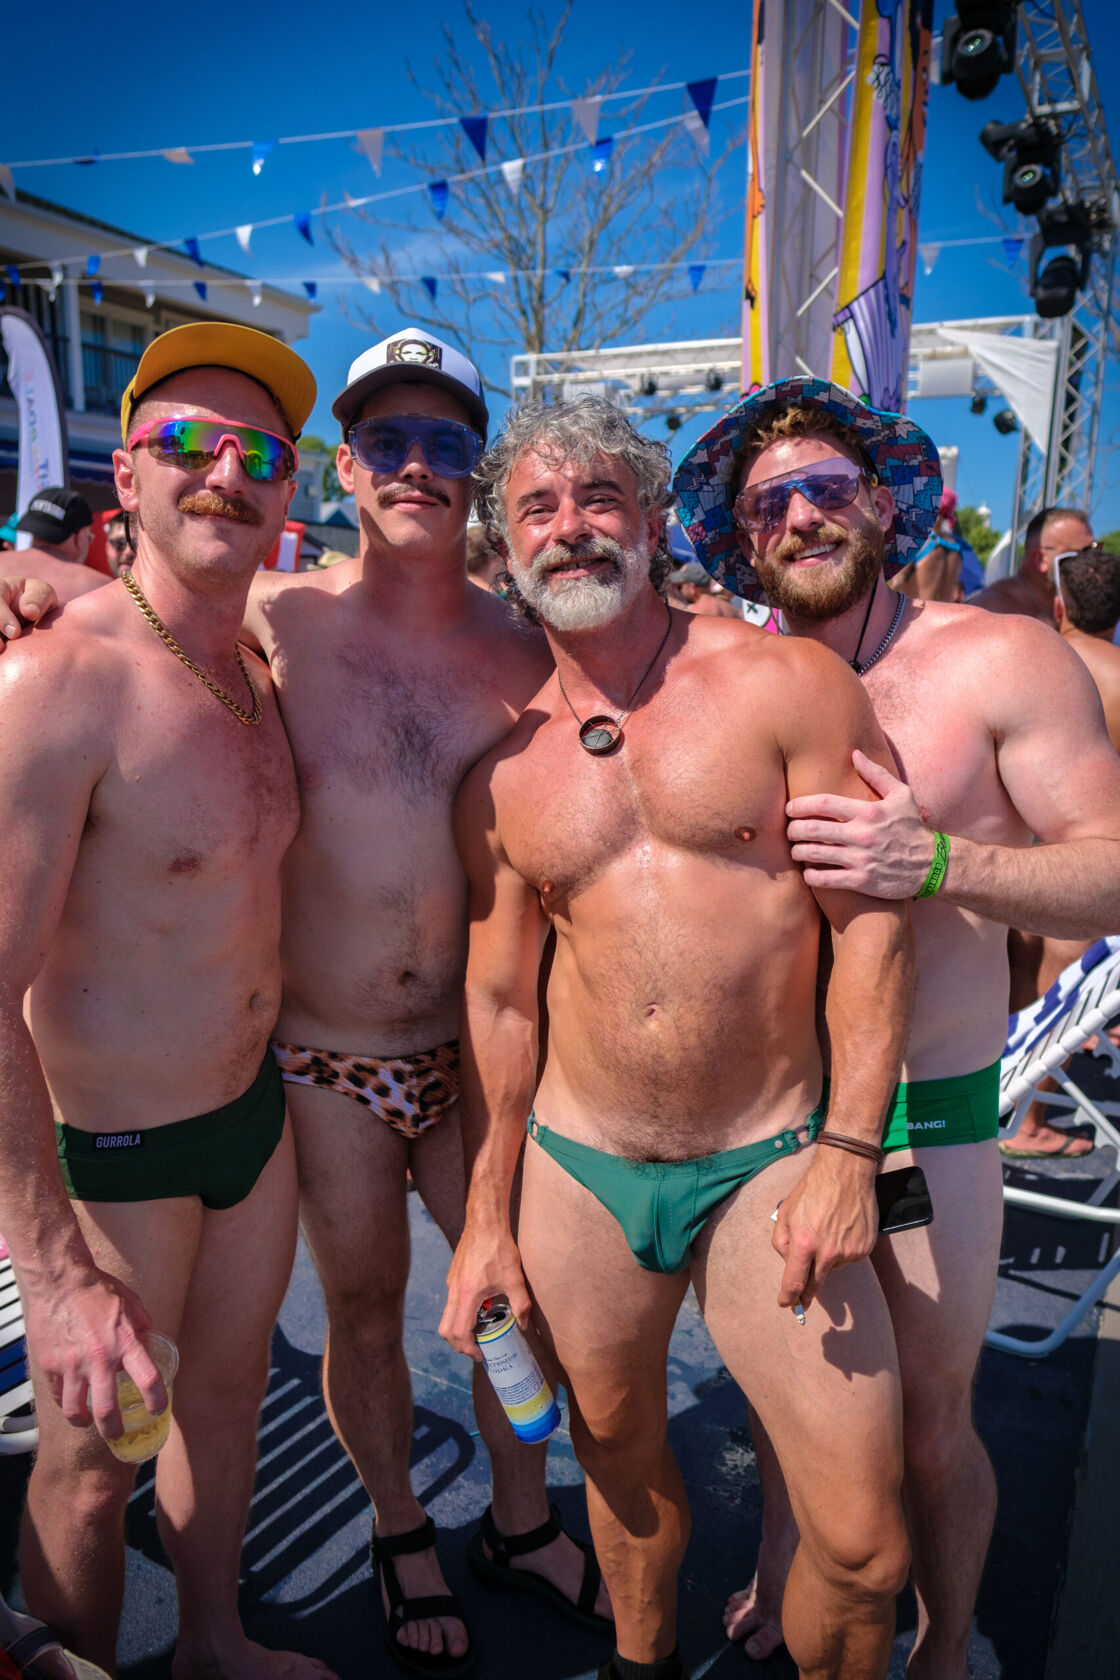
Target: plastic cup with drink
[{"x": 144, "y": 1433}]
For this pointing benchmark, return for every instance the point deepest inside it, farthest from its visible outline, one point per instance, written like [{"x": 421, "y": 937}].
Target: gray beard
[{"x": 587, "y": 603}]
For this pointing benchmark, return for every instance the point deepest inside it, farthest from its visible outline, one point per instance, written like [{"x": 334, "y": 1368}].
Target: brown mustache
[
  {"x": 222, "y": 507},
  {"x": 403, "y": 492},
  {"x": 792, "y": 548}
]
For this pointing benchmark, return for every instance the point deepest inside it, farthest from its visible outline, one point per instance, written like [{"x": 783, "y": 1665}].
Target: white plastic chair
[
  {"x": 19, "y": 1431},
  {"x": 1082, "y": 1002}
]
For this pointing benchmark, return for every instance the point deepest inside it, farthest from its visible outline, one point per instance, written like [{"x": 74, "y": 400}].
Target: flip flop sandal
[
  {"x": 430, "y": 1665},
  {"x": 497, "y": 1568},
  {"x": 1071, "y": 1134}
]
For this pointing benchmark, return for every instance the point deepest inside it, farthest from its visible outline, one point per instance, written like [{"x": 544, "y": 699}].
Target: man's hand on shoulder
[
  {"x": 882, "y": 849},
  {"x": 24, "y": 601}
]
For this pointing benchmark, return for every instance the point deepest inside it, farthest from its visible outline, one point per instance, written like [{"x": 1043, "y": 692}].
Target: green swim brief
[
  {"x": 663, "y": 1205},
  {"x": 217, "y": 1156},
  {"x": 923, "y": 1112}
]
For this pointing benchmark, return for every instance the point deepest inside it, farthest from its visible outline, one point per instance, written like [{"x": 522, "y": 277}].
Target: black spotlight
[
  {"x": 713, "y": 381},
  {"x": 1030, "y": 152},
  {"x": 1066, "y": 230},
  {"x": 1005, "y": 422},
  {"x": 674, "y": 422},
  {"x": 979, "y": 403},
  {"x": 978, "y": 45},
  {"x": 648, "y": 387}
]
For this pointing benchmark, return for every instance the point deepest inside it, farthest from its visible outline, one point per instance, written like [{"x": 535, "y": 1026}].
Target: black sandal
[
  {"x": 498, "y": 1570},
  {"x": 435, "y": 1665}
]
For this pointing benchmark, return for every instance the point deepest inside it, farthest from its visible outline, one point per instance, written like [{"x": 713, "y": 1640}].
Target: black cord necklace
[
  {"x": 859, "y": 669},
  {"x": 602, "y": 733}
]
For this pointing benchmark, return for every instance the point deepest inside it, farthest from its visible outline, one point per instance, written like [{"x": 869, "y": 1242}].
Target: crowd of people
[{"x": 646, "y": 948}]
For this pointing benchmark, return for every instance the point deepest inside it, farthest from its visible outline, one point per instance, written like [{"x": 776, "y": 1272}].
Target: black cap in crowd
[{"x": 56, "y": 513}]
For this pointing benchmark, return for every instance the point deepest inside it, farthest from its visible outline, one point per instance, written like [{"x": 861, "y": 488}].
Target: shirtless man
[
  {"x": 61, "y": 522},
  {"x": 682, "y": 1053},
  {"x": 1054, "y": 530},
  {"x": 394, "y": 674},
  {"x": 151, "y": 990},
  {"x": 998, "y": 735}
]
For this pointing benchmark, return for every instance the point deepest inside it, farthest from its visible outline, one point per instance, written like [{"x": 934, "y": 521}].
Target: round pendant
[{"x": 599, "y": 734}]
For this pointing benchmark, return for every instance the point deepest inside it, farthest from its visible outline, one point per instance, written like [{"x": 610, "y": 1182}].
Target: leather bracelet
[
  {"x": 854, "y": 1146},
  {"x": 937, "y": 869}
]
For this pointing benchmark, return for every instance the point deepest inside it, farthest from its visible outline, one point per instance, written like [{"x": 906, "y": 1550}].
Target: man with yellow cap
[{"x": 147, "y": 1172}]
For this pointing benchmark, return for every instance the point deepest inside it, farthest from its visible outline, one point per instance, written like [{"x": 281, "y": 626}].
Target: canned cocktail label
[{"x": 517, "y": 1378}]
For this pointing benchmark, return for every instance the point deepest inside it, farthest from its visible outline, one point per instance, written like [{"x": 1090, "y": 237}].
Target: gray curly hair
[{"x": 576, "y": 430}]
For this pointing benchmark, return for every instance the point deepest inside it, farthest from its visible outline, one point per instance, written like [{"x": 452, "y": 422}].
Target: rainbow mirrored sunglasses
[
  {"x": 194, "y": 445},
  {"x": 830, "y": 485},
  {"x": 383, "y": 445}
]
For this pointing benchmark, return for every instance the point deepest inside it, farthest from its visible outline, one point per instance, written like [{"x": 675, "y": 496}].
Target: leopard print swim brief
[{"x": 410, "y": 1093}]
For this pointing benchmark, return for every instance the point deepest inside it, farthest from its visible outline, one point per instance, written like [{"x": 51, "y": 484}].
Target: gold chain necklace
[{"x": 165, "y": 635}]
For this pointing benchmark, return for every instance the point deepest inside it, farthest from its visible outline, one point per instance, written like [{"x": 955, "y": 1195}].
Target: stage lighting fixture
[
  {"x": 1030, "y": 152},
  {"x": 979, "y": 403},
  {"x": 1066, "y": 231},
  {"x": 713, "y": 381},
  {"x": 674, "y": 422},
  {"x": 1005, "y": 422},
  {"x": 648, "y": 387},
  {"x": 978, "y": 45}
]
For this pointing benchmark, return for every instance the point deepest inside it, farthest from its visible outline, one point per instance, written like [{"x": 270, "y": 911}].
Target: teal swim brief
[
  {"x": 662, "y": 1206},
  {"x": 924, "y": 1112}
]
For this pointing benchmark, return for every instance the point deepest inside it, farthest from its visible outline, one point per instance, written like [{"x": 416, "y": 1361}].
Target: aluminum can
[{"x": 518, "y": 1382}]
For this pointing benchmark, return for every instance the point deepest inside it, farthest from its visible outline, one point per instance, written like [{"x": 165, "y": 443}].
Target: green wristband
[{"x": 937, "y": 868}]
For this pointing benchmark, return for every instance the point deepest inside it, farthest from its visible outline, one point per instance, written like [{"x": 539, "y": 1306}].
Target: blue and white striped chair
[{"x": 19, "y": 1431}]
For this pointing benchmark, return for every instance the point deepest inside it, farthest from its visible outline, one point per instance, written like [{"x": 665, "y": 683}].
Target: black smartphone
[{"x": 904, "y": 1200}]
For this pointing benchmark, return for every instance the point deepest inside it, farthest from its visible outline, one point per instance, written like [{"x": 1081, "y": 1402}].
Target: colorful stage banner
[
  {"x": 879, "y": 236},
  {"x": 33, "y": 379}
]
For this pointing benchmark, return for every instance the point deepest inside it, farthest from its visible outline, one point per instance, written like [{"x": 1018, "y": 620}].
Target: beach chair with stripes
[
  {"x": 1080, "y": 1004},
  {"x": 18, "y": 1430}
]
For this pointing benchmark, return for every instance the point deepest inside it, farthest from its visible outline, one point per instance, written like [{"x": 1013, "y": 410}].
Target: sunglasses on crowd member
[
  {"x": 830, "y": 485},
  {"x": 382, "y": 445},
  {"x": 194, "y": 445},
  {"x": 117, "y": 544}
]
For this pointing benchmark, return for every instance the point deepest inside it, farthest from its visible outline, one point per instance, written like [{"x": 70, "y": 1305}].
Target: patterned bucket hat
[{"x": 904, "y": 457}]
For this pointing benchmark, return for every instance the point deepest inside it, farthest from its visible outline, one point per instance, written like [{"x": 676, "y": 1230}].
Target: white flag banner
[
  {"x": 498, "y": 277},
  {"x": 56, "y": 274},
  {"x": 141, "y": 255},
  {"x": 42, "y": 425},
  {"x": 929, "y": 255},
  {"x": 371, "y": 283},
  {"x": 149, "y": 299},
  {"x": 370, "y": 144},
  {"x": 697, "y": 128},
  {"x": 244, "y": 234},
  {"x": 254, "y": 292},
  {"x": 586, "y": 114},
  {"x": 512, "y": 171}
]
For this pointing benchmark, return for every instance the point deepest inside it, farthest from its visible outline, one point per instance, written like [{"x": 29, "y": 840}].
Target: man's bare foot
[
  {"x": 747, "y": 1616},
  {"x": 1044, "y": 1140},
  {"x": 244, "y": 1660},
  {"x": 420, "y": 1576}
]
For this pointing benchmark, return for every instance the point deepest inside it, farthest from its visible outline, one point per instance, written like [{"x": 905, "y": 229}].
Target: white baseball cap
[{"x": 412, "y": 356}]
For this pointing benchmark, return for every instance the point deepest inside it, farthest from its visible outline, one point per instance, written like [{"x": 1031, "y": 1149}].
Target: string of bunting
[
  {"x": 511, "y": 169},
  {"x": 370, "y": 141}
]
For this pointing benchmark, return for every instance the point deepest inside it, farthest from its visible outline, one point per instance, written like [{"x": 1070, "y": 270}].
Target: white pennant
[
  {"x": 7, "y": 182},
  {"x": 586, "y": 114},
  {"x": 929, "y": 255},
  {"x": 56, "y": 275},
  {"x": 50, "y": 287},
  {"x": 623, "y": 269},
  {"x": 371, "y": 282},
  {"x": 141, "y": 255},
  {"x": 370, "y": 141},
  {"x": 178, "y": 154},
  {"x": 695, "y": 126},
  {"x": 254, "y": 292},
  {"x": 497, "y": 276},
  {"x": 347, "y": 200},
  {"x": 149, "y": 299},
  {"x": 512, "y": 173},
  {"x": 243, "y": 234}
]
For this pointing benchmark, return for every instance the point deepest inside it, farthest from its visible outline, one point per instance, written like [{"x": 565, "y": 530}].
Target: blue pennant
[
  {"x": 696, "y": 274},
  {"x": 93, "y": 264},
  {"x": 302, "y": 219},
  {"x": 431, "y": 284},
  {"x": 565, "y": 274},
  {"x": 200, "y": 288},
  {"x": 97, "y": 289},
  {"x": 440, "y": 192},
  {"x": 261, "y": 149},
  {"x": 311, "y": 288},
  {"x": 602, "y": 154},
  {"x": 1011, "y": 249},
  {"x": 702, "y": 94},
  {"x": 13, "y": 273},
  {"x": 475, "y": 130},
  {"x": 192, "y": 250}
]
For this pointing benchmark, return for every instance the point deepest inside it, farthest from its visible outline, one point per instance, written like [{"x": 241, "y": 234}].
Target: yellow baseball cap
[{"x": 225, "y": 344}]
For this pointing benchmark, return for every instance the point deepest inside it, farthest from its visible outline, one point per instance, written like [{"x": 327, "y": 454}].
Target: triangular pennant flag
[
  {"x": 602, "y": 152},
  {"x": 302, "y": 219},
  {"x": 141, "y": 256},
  {"x": 696, "y": 274},
  {"x": 244, "y": 233},
  {"x": 698, "y": 131},
  {"x": 586, "y": 114},
  {"x": 702, "y": 95},
  {"x": 310, "y": 287},
  {"x": 51, "y": 290},
  {"x": 97, "y": 289},
  {"x": 12, "y": 273},
  {"x": 372, "y": 283},
  {"x": 178, "y": 154},
  {"x": 261, "y": 149},
  {"x": 497, "y": 276},
  {"x": 512, "y": 172},
  {"x": 56, "y": 274},
  {"x": 1011, "y": 250},
  {"x": 86, "y": 161},
  {"x": 7, "y": 182},
  {"x": 431, "y": 285},
  {"x": 623, "y": 269},
  {"x": 200, "y": 288},
  {"x": 93, "y": 263},
  {"x": 439, "y": 191},
  {"x": 149, "y": 299},
  {"x": 929, "y": 255},
  {"x": 475, "y": 130},
  {"x": 191, "y": 247},
  {"x": 254, "y": 291},
  {"x": 370, "y": 142},
  {"x": 565, "y": 274}
]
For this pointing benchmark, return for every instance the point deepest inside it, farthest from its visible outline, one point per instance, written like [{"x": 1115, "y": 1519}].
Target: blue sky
[{"x": 145, "y": 83}]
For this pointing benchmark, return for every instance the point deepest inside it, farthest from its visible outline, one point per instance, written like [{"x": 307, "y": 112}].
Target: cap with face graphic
[{"x": 412, "y": 356}]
